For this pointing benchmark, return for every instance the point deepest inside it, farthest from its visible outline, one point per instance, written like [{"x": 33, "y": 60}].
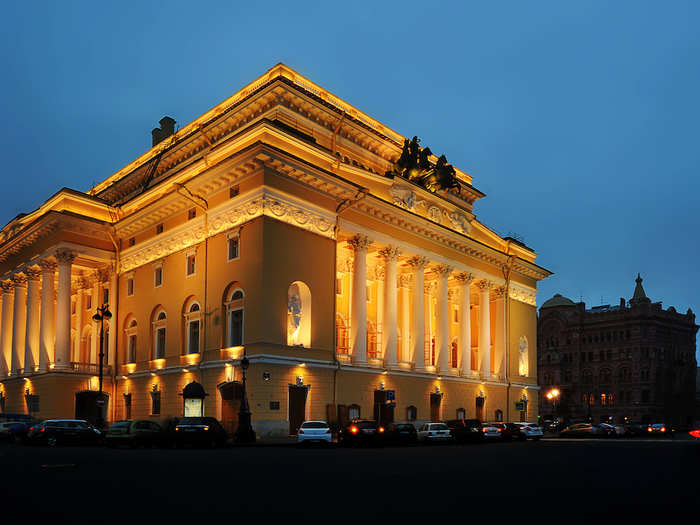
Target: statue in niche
[
  {"x": 294, "y": 307},
  {"x": 523, "y": 365}
]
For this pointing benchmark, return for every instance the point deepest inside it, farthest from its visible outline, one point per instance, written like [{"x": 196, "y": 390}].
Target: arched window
[
  {"x": 453, "y": 353},
  {"x": 192, "y": 318},
  {"x": 524, "y": 359},
  {"x": 411, "y": 413},
  {"x": 86, "y": 345},
  {"x": 234, "y": 317},
  {"x": 341, "y": 335},
  {"x": 461, "y": 413},
  {"x": 372, "y": 341},
  {"x": 130, "y": 340},
  {"x": 159, "y": 330},
  {"x": 499, "y": 415},
  {"x": 587, "y": 377},
  {"x": 299, "y": 315},
  {"x": 605, "y": 375}
]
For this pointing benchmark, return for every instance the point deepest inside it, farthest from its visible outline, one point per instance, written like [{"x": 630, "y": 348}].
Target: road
[{"x": 548, "y": 481}]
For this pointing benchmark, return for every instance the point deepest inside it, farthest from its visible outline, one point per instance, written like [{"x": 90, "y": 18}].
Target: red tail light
[
  {"x": 649, "y": 429},
  {"x": 31, "y": 428},
  {"x": 301, "y": 431},
  {"x": 43, "y": 430},
  {"x": 500, "y": 430},
  {"x": 663, "y": 429},
  {"x": 483, "y": 430},
  {"x": 381, "y": 430},
  {"x": 353, "y": 429}
]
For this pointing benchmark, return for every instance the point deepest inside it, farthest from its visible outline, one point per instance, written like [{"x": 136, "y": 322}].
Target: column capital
[
  {"x": 7, "y": 286},
  {"x": 484, "y": 284},
  {"x": 33, "y": 273},
  {"x": 499, "y": 292},
  {"x": 19, "y": 280},
  {"x": 65, "y": 256},
  {"x": 418, "y": 262},
  {"x": 390, "y": 253},
  {"x": 464, "y": 278},
  {"x": 443, "y": 270},
  {"x": 360, "y": 242},
  {"x": 428, "y": 286},
  {"x": 404, "y": 280},
  {"x": 48, "y": 266}
]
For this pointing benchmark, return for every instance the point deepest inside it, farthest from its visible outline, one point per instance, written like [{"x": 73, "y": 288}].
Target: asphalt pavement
[{"x": 550, "y": 481}]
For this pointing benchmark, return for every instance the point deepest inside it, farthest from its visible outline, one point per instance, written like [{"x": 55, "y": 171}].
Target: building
[
  {"x": 633, "y": 362},
  {"x": 345, "y": 261}
]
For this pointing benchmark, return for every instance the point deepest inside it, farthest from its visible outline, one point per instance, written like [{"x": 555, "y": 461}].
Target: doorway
[
  {"x": 435, "y": 402},
  {"x": 231, "y": 396},
  {"x": 89, "y": 406},
  {"x": 383, "y": 412},
  {"x": 297, "y": 407},
  {"x": 480, "y": 401}
]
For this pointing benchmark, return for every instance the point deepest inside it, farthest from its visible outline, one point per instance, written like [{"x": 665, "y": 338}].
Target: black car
[
  {"x": 200, "y": 431},
  {"x": 134, "y": 434},
  {"x": 465, "y": 430},
  {"x": 358, "y": 431},
  {"x": 401, "y": 434},
  {"x": 63, "y": 432}
]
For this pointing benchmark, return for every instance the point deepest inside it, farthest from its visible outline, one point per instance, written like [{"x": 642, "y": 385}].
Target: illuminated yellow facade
[{"x": 268, "y": 226}]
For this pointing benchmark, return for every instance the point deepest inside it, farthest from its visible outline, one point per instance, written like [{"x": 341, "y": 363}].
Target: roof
[
  {"x": 639, "y": 295},
  {"x": 557, "y": 300}
]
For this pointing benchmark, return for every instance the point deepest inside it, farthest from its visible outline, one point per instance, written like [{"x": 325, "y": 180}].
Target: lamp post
[
  {"x": 553, "y": 396},
  {"x": 245, "y": 432},
  {"x": 102, "y": 314}
]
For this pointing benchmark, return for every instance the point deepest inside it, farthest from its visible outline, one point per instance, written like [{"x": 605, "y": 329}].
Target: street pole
[
  {"x": 102, "y": 314},
  {"x": 245, "y": 432}
]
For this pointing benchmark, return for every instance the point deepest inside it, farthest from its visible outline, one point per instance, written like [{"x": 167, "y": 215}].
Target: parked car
[
  {"x": 200, "y": 431},
  {"x": 582, "y": 430},
  {"x": 359, "y": 431},
  {"x": 529, "y": 431},
  {"x": 54, "y": 432},
  {"x": 635, "y": 430},
  {"x": 401, "y": 434},
  {"x": 659, "y": 430},
  {"x": 14, "y": 430},
  {"x": 134, "y": 434},
  {"x": 434, "y": 432},
  {"x": 314, "y": 432},
  {"x": 489, "y": 432},
  {"x": 465, "y": 430},
  {"x": 508, "y": 431},
  {"x": 6, "y": 433}
]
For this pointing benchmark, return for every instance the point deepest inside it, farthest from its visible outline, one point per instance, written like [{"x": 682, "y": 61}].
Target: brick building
[{"x": 630, "y": 362}]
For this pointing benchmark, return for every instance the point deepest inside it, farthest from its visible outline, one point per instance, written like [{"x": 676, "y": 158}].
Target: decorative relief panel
[{"x": 523, "y": 294}]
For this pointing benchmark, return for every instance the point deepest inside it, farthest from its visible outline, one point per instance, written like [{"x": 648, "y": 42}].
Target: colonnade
[
  {"x": 35, "y": 324},
  {"x": 443, "y": 283}
]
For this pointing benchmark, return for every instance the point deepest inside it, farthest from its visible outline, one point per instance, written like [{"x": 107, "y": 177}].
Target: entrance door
[
  {"x": 297, "y": 408},
  {"x": 86, "y": 406},
  {"x": 435, "y": 401},
  {"x": 231, "y": 396},
  {"x": 480, "y": 408},
  {"x": 383, "y": 413}
]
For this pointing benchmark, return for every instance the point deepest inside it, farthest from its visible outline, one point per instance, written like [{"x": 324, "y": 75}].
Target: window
[
  {"x": 130, "y": 334},
  {"x": 130, "y": 286},
  {"x": 354, "y": 412},
  {"x": 234, "y": 309},
  {"x": 159, "y": 228},
  {"x": 191, "y": 213},
  {"x": 88, "y": 302},
  {"x": 105, "y": 295},
  {"x": 233, "y": 245},
  {"x": 192, "y": 322},
  {"x": 127, "y": 406},
  {"x": 191, "y": 264},
  {"x": 155, "y": 403},
  {"x": 72, "y": 307},
  {"x": 611, "y": 399},
  {"x": 369, "y": 294},
  {"x": 499, "y": 415},
  {"x": 603, "y": 399},
  {"x": 339, "y": 285},
  {"x": 132, "y": 241},
  {"x": 158, "y": 276},
  {"x": 461, "y": 413},
  {"x": 233, "y": 191},
  {"x": 159, "y": 328},
  {"x": 455, "y": 316},
  {"x": 299, "y": 315}
]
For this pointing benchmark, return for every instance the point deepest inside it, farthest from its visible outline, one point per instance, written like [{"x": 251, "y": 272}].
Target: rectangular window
[
  {"x": 191, "y": 264},
  {"x": 72, "y": 307},
  {"x": 158, "y": 276},
  {"x": 88, "y": 302},
  {"x": 131, "y": 354},
  {"x": 236, "y": 328},
  {"x": 159, "y": 228},
  {"x": 233, "y": 243},
  {"x": 130, "y": 286},
  {"x": 233, "y": 191},
  {"x": 456, "y": 315},
  {"x": 105, "y": 295},
  {"x": 160, "y": 343},
  {"x": 155, "y": 403},
  {"x": 191, "y": 213},
  {"x": 127, "y": 406},
  {"x": 132, "y": 241},
  {"x": 194, "y": 337},
  {"x": 339, "y": 286}
]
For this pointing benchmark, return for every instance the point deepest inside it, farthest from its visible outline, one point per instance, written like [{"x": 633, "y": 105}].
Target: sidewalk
[{"x": 285, "y": 441}]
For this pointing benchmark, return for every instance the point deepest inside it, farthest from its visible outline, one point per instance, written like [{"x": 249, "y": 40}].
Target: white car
[
  {"x": 314, "y": 432},
  {"x": 530, "y": 430},
  {"x": 434, "y": 432}
]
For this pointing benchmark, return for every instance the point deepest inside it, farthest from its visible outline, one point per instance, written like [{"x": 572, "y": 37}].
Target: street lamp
[
  {"x": 102, "y": 314},
  {"x": 553, "y": 396},
  {"x": 245, "y": 432}
]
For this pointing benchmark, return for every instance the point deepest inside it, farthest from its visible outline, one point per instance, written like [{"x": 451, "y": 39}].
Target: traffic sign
[{"x": 391, "y": 395}]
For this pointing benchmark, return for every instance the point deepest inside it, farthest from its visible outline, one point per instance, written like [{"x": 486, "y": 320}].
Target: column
[
  {"x": 78, "y": 343},
  {"x": 31, "y": 348},
  {"x": 500, "y": 339},
  {"x": 19, "y": 322},
  {"x": 111, "y": 340},
  {"x": 65, "y": 261},
  {"x": 46, "y": 330},
  {"x": 95, "y": 334},
  {"x": 418, "y": 264},
  {"x": 6, "y": 334},
  {"x": 405, "y": 281},
  {"x": 442, "y": 335},
  {"x": 390, "y": 320},
  {"x": 484, "y": 329},
  {"x": 465, "y": 324},
  {"x": 358, "y": 328}
]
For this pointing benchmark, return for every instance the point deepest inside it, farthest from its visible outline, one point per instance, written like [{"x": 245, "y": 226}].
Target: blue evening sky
[{"x": 579, "y": 120}]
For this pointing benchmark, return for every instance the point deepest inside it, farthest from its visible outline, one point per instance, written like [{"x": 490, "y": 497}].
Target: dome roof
[
  {"x": 558, "y": 300},
  {"x": 194, "y": 390}
]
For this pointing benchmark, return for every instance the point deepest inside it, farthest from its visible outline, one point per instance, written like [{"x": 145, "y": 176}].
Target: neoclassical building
[{"x": 346, "y": 263}]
